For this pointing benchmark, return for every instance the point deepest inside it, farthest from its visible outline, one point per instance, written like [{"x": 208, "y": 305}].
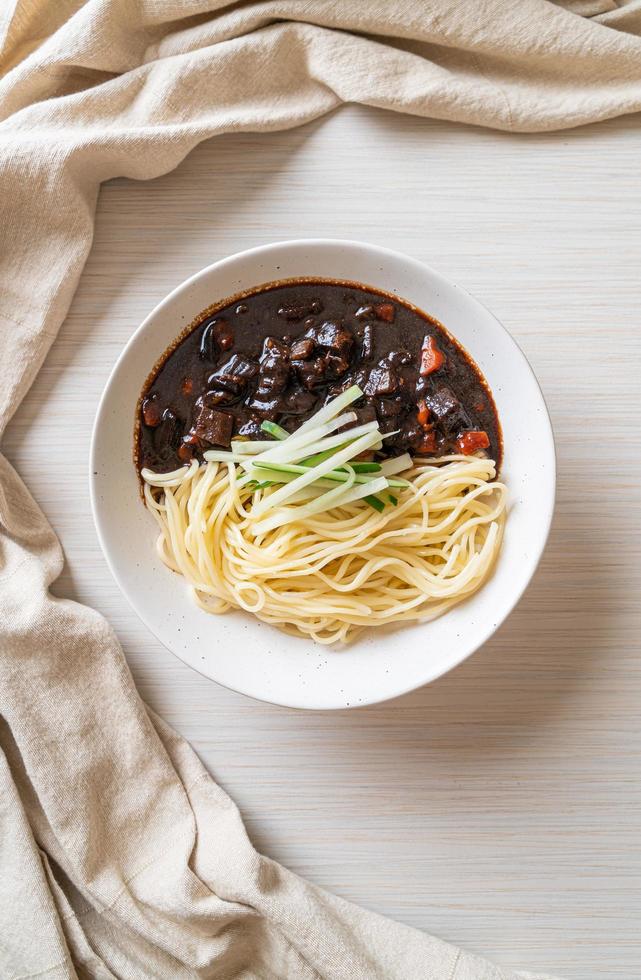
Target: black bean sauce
[{"x": 283, "y": 351}]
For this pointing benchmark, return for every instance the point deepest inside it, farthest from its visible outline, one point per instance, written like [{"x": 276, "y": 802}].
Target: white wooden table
[{"x": 500, "y": 807}]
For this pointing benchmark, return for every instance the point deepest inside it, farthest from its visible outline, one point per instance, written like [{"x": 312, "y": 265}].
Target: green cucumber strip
[
  {"x": 338, "y": 475},
  {"x": 336, "y": 441},
  {"x": 275, "y": 430},
  {"x": 375, "y": 503},
  {"x": 320, "y": 457},
  {"x": 358, "y": 467},
  {"x": 319, "y": 486},
  {"x": 252, "y": 447},
  {"x": 337, "y": 497},
  {"x": 301, "y": 444},
  {"x": 332, "y": 408},
  {"x": 396, "y": 465},
  {"x": 310, "y": 475},
  {"x": 286, "y": 447}
]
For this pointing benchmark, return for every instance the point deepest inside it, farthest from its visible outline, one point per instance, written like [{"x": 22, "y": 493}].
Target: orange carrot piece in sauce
[
  {"x": 470, "y": 442},
  {"x": 384, "y": 311},
  {"x": 423, "y": 414},
  {"x": 428, "y": 445}
]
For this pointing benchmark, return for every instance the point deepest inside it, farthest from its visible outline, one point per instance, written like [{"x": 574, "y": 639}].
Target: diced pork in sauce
[{"x": 281, "y": 353}]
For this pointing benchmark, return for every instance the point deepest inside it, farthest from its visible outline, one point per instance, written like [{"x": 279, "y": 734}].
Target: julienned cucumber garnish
[
  {"x": 316, "y": 466},
  {"x": 276, "y": 431},
  {"x": 339, "y": 475}
]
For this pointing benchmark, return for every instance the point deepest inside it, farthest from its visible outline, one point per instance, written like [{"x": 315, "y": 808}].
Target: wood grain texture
[{"x": 499, "y": 807}]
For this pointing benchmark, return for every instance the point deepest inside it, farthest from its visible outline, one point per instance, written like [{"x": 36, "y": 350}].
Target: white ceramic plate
[{"x": 256, "y": 659}]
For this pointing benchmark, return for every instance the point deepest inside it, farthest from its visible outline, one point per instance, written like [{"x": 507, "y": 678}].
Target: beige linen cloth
[{"x": 119, "y": 855}]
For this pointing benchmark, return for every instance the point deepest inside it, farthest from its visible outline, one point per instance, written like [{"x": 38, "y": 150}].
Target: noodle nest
[{"x": 332, "y": 575}]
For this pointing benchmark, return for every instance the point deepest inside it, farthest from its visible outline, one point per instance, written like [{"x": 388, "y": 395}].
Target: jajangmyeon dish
[{"x": 324, "y": 456}]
